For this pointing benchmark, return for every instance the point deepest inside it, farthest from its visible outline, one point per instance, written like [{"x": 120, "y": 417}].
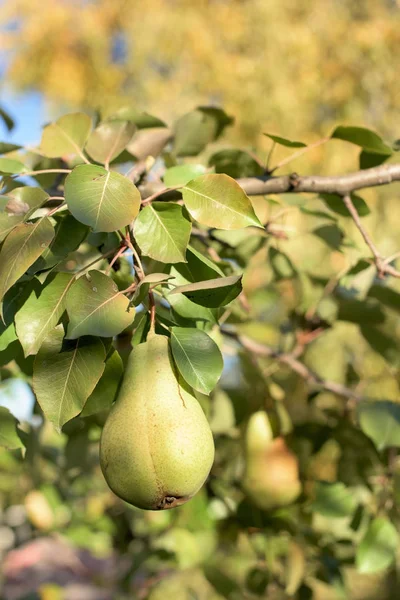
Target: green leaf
[
  {"x": 21, "y": 248},
  {"x": 198, "y": 128},
  {"x": 104, "y": 200},
  {"x": 6, "y": 147},
  {"x": 365, "y": 312},
  {"x": 105, "y": 391},
  {"x": 108, "y": 140},
  {"x": 182, "y": 174},
  {"x": 333, "y": 500},
  {"x": 40, "y": 314},
  {"x": 19, "y": 205},
  {"x": 284, "y": 141},
  {"x": 218, "y": 201},
  {"x": 69, "y": 234},
  {"x": 64, "y": 379},
  {"x": 163, "y": 232},
  {"x": 95, "y": 306},
  {"x": 386, "y": 295},
  {"x": 331, "y": 234},
  {"x": 365, "y": 138},
  {"x": 153, "y": 278},
  {"x": 197, "y": 357},
  {"x": 9, "y": 437},
  {"x": 13, "y": 300},
  {"x": 142, "y": 120},
  {"x": 235, "y": 163},
  {"x": 335, "y": 203},
  {"x": 149, "y": 142},
  {"x": 11, "y": 166},
  {"x": 377, "y": 549},
  {"x": 67, "y": 135},
  {"x": 368, "y": 160},
  {"x": 281, "y": 264},
  {"x": 380, "y": 421},
  {"x": 213, "y": 292},
  {"x": 7, "y": 120}
]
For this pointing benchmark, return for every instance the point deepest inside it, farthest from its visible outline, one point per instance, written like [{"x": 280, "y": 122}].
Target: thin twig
[
  {"x": 40, "y": 172},
  {"x": 115, "y": 258},
  {"x": 295, "y": 365},
  {"x": 299, "y": 153},
  {"x": 382, "y": 266}
]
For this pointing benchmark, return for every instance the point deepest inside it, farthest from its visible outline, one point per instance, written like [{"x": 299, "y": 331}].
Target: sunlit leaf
[
  {"x": 380, "y": 421},
  {"x": 40, "y": 314},
  {"x": 182, "y": 174},
  {"x": 9, "y": 437},
  {"x": 65, "y": 136},
  {"x": 218, "y": 201},
  {"x": 95, "y": 306},
  {"x": 163, "y": 232},
  {"x": 104, "y": 200},
  {"x": 377, "y": 549},
  {"x": 21, "y": 248},
  {"x": 365, "y": 138},
  {"x": 11, "y": 166},
  {"x": 108, "y": 140}
]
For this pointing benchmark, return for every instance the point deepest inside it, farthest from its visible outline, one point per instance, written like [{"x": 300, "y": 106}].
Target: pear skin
[
  {"x": 271, "y": 477},
  {"x": 156, "y": 448}
]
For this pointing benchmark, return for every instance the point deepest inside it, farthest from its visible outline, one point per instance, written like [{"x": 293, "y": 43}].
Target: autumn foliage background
[{"x": 292, "y": 69}]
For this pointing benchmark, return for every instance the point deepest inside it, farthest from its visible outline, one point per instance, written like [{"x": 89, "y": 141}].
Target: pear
[
  {"x": 156, "y": 448},
  {"x": 271, "y": 477}
]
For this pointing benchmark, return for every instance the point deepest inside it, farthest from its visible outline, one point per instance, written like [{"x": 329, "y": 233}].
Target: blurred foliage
[{"x": 304, "y": 65}]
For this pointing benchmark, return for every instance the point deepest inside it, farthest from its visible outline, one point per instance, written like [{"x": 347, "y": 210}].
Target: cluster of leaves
[{"x": 88, "y": 259}]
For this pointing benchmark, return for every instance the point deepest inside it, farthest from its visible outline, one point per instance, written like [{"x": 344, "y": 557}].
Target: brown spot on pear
[
  {"x": 271, "y": 477},
  {"x": 156, "y": 448}
]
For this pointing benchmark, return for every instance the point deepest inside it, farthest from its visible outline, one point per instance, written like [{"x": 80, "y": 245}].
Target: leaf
[
  {"x": 13, "y": 301},
  {"x": 235, "y": 163},
  {"x": 9, "y": 437},
  {"x": 11, "y": 166},
  {"x": 380, "y": 421},
  {"x": 67, "y": 135},
  {"x": 95, "y": 306},
  {"x": 155, "y": 278},
  {"x": 368, "y": 160},
  {"x": 213, "y": 292},
  {"x": 182, "y": 174},
  {"x": 281, "y": 265},
  {"x": 331, "y": 234},
  {"x": 386, "y": 295},
  {"x": 21, "y": 248},
  {"x": 39, "y": 315},
  {"x": 104, "y": 200},
  {"x": 7, "y": 120},
  {"x": 142, "y": 120},
  {"x": 69, "y": 234},
  {"x": 218, "y": 201},
  {"x": 333, "y": 500},
  {"x": 285, "y": 142},
  {"x": 365, "y": 138},
  {"x": 19, "y": 205},
  {"x": 196, "y": 129},
  {"x": 335, "y": 203},
  {"x": 149, "y": 142},
  {"x": 197, "y": 357},
  {"x": 365, "y": 312},
  {"x": 105, "y": 391},
  {"x": 63, "y": 380},
  {"x": 108, "y": 140},
  {"x": 163, "y": 232},
  {"x": 317, "y": 213},
  {"x": 6, "y": 147},
  {"x": 377, "y": 550}
]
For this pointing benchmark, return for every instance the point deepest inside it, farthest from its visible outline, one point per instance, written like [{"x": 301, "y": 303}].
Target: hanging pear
[
  {"x": 156, "y": 448},
  {"x": 271, "y": 477}
]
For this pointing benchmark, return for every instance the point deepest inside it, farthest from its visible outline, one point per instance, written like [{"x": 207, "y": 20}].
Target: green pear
[
  {"x": 156, "y": 448},
  {"x": 271, "y": 478}
]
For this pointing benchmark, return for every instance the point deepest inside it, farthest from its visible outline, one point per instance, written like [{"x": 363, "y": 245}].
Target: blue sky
[{"x": 30, "y": 114}]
